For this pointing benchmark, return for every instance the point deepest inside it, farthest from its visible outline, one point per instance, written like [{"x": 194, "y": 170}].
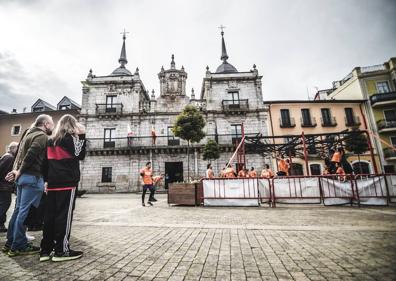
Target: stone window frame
[{"x": 13, "y": 127}]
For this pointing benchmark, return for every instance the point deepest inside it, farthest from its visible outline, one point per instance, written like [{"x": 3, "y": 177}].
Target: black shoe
[
  {"x": 151, "y": 204},
  {"x": 144, "y": 205},
  {"x": 45, "y": 257},
  {"x": 67, "y": 256},
  {"x": 3, "y": 229},
  {"x": 29, "y": 250},
  {"x": 152, "y": 200},
  {"x": 6, "y": 248}
]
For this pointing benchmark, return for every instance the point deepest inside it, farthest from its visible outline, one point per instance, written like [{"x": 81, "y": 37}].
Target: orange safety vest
[
  {"x": 336, "y": 157},
  {"x": 147, "y": 175},
  {"x": 253, "y": 174},
  {"x": 241, "y": 174},
  {"x": 283, "y": 166},
  {"x": 267, "y": 174},
  {"x": 229, "y": 173}
]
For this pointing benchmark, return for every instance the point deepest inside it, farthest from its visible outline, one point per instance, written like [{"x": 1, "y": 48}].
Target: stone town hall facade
[{"x": 121, "y": 117}]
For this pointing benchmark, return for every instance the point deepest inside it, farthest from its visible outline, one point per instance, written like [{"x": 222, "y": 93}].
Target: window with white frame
[
  {"x": 383, "y": 87},
  {"x": 16, "y": 130}
]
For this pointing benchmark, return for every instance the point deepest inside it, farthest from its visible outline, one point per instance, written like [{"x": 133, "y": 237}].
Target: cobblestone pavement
[{"x": 122, "y": 240}]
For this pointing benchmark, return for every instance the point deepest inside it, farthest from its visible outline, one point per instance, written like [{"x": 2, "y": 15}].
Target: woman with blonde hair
[{"x": 64, "y": 151}]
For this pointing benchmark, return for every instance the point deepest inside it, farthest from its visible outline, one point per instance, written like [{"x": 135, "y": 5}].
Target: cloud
[
  {"x": 295, "y": 44},
  {"x": 20, "y": 88}
]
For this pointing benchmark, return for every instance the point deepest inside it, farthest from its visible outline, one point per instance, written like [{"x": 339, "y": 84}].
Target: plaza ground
[{"x": 122, "y": 240}]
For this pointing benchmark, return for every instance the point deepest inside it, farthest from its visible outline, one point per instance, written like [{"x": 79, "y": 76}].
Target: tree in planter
[
  {"x": 211, "y": 151},
  {"x": 188, "y": 126},
  {"x": 357, "y": 144}
]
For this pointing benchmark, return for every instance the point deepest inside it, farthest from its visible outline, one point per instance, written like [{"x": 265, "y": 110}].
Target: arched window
[
  {"x": 315, "y": 169},
  {"x": 361, "y": 167},
  {"x": 296, "y": 170}
]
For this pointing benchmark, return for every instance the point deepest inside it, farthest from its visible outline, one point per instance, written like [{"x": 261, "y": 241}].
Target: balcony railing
[
  {"x": 328, "y": 122},
  {"x": 104, "y": 108},
  {"x": 160, "y": 141},
  {"x": 351, "y": 122},
  {"x": 311, "y": 122},
  {"x": 386, "y": 124},
  {"x": 383, "y": 97},
  {"x": 287, "y": 123},
  {"x": 235, "y": 105},
  {"x": 389, "y": 153}
]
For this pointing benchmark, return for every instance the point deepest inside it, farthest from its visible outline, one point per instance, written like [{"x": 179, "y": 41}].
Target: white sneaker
[{"x": 29, "y": 237}]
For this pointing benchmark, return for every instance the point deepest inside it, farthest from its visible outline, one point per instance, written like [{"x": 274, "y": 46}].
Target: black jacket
[
  {"x": 6, "y": 162},
  {"x": 63, "y": 161}
]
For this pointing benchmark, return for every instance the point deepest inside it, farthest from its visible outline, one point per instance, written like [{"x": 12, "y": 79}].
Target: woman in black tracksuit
[{"x": 64, "y": 152}]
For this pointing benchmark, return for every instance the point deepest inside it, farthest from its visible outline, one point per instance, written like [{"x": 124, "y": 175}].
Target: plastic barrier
[
  {"x": 336, "y": 191},
  {"x": 371, "y": 190},
  {"x": 230, "y": 192},
  {"x": 296, "y": 190},
  {"x": 265, "y": 190}
]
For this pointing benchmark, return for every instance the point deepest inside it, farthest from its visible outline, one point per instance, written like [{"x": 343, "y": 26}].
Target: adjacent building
[
  {"x": 294, "y": 117},
  {"x": 12, "y": 125},
  {"x": 128, "y": 126},
  {"x": 377, "y": 85}
]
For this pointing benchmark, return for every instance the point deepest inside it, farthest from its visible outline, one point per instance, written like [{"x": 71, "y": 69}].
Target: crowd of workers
[{"x": 335, "y": 164}]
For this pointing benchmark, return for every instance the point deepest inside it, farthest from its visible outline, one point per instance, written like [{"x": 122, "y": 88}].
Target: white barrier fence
[{"x": 329, "y": 190}]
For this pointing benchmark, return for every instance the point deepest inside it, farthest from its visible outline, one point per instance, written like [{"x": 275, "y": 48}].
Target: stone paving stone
[{"x": 123, "y": 241}]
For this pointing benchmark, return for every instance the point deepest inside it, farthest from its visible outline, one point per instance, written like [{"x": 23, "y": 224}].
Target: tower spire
[
  {"x": 123, "y": 58},
  {"x": 173, "y": 62},
  {"x": 224, "y": 55}
]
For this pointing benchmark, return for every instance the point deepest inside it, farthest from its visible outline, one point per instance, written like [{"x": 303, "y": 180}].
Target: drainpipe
[
  {"x": 272, "y": 132},
  {"x": 369, "y": 140}
]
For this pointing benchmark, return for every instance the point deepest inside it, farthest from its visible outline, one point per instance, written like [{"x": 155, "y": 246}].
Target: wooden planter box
[{"x": 184, "y": 194}]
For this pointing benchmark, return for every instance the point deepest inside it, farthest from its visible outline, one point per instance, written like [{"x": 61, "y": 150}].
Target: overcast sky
[{"x": 48, "y": 47}]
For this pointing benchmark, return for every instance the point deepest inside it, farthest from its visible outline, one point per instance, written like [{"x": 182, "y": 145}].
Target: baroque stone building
[{"x": 128, "y": 126}]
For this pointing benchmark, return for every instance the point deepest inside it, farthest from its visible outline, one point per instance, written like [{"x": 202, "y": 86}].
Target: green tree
[
  {"x": 211, "y": 150},
  {"x": 357, "y": 144},
  {"x": 188, "y": 126}
]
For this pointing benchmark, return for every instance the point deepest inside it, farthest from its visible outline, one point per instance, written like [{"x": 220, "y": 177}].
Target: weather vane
[
  {"x": 124, "y": 33},
  {"x": 222, "y": 28}
]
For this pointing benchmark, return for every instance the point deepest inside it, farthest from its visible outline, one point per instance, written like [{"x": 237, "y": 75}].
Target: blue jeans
[{"x": 29, "y": 191}]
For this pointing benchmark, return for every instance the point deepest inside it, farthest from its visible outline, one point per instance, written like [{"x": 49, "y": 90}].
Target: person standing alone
[{"x": 147, "y": 179}]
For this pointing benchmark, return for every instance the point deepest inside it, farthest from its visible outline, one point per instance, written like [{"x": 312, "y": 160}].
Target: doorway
[{"x": 173, "y": 172}]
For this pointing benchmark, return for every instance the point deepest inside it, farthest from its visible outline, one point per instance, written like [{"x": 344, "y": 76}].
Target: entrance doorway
[{"x": 173, "y": 172}]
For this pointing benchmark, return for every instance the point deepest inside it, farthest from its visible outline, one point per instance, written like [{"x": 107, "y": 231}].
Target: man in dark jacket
[
  {"x": 28, "y": 175},
  {"x": 6, "y": 188}
]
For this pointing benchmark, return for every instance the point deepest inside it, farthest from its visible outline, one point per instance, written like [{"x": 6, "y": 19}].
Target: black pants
[
  {"x": 35, "y": 218},
  {"x": 152, "y": 190},
  {"x": 57, "y": 221},
  {"x": 5, "y": 203}
]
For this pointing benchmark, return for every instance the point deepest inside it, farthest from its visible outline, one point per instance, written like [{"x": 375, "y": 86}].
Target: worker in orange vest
[
  {"x": 252, "y": 173},
  {"x": 283, "y": 167},
  {"x": 146, "y": 175},
  {"x": 267, "y": 172},
  {"x": 229, "y": 172}
]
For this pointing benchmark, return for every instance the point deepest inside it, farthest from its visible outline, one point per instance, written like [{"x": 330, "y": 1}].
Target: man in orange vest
[
  {"x": 229, "y": 172},
  {"x": 283, "y": 167},
  {"x": 252, "y": 173},
  {"x": 267, "y": 173},
  {"x": 146, "y": 175}
]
